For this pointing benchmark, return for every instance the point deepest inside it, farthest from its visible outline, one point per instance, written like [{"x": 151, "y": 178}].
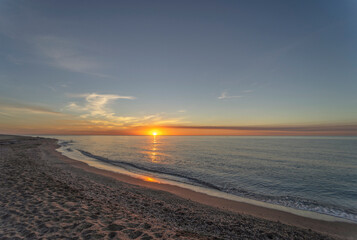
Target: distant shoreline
[
  {"x": 323, "y": 136},
  {"x": 46, "y": 148}
]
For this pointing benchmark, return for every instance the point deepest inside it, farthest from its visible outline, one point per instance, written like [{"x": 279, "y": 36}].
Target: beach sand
[{"x": 46, "y": 195}]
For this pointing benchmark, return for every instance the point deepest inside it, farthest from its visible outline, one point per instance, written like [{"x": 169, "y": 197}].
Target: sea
[{"x": 306, "y": 174}]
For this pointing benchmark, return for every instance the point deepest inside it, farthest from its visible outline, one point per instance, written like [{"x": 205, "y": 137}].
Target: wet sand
[{"x": 47, "y": 195}]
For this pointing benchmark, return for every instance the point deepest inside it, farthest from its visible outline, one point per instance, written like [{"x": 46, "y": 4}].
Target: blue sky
[{"x": 113, "y": 64}]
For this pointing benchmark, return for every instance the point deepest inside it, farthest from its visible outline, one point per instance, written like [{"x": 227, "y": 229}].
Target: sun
[{"x": 154, "y": 132}]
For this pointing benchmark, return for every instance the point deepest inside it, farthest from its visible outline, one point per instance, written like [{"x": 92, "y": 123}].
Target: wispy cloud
[
  {"x": 53, "y": 89},
  {"x": 67, "y": 54},
  {"x": 95, "y": 105},
  {"x": 96, "y": 111},
  {"x": 23, "y": 107},
  {"x": 225, "y": 95},
  {"x": 248, "y": 91},
  {"x": 6, "y": 114}
]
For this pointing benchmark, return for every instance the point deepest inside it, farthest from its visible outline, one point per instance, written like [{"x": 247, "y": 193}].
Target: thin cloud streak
[
  {"x": 67, "y": 55},
  {"x": 16, "y": 106},
  {"x": 225, "y": 95},
  {"x": 348, "y": 128},
  {"x": 6, "y": 114}
]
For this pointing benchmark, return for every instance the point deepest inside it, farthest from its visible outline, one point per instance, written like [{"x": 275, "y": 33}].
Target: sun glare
[{"x": 154, "y": 133}]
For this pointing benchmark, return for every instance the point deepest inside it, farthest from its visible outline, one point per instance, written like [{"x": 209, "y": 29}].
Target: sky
[{"x": 178, "y": 67}]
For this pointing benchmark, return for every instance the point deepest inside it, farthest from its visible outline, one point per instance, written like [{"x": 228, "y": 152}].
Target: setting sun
[{"x": 154, "y": 132}]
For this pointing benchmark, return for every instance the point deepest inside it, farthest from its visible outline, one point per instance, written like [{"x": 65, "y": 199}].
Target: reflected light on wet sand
[{"x": 150, "y": 179}]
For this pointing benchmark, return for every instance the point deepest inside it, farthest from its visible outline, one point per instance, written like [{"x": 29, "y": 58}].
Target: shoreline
[
  {"x": 93, "y": 162},
  {"x": 333, "y": 228},
  {"x": 126, "y": 207}
]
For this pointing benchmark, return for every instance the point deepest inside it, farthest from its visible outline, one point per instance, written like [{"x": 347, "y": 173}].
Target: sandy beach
[{"x": 45, "y": 195}]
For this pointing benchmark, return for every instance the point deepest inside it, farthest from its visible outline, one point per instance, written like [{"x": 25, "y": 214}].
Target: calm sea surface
[{"x": 317, "y": 174}]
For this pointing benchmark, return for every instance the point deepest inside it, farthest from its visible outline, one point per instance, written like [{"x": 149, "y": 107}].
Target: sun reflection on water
[{"x": 153, "y": 151}]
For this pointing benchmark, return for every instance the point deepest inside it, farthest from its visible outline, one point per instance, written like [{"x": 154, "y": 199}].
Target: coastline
[
  {"x": 337, "y": 229},
  {"x": 92, "y": 161},
  {"x": 274, "y": 221}
]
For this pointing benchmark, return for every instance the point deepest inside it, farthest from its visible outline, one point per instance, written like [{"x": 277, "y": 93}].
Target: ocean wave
[
  {"x": 298, "y": 203},
  {"x": 142, "y": 168}
]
